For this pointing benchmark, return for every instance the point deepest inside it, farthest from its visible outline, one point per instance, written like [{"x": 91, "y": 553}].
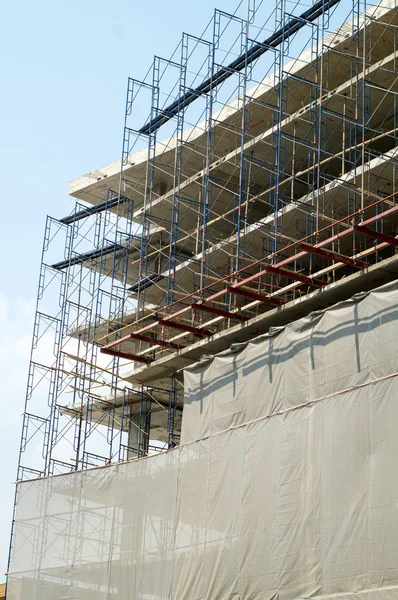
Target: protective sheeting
[
  {"x": 347, "y": 345},
  {"x": 299, "y": 501}
]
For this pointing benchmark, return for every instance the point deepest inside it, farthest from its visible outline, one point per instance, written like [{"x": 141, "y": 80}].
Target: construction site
[{"x": 213, "y": 380}]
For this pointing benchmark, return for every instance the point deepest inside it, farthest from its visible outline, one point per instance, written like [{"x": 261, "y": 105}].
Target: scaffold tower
[{"x": 257, "y": 180}]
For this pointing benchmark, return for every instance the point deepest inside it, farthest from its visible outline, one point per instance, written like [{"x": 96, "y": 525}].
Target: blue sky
[{"x": 64, "y": 71}]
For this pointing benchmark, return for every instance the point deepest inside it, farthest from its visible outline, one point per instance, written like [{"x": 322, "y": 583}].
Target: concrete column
[
  {"x": 139, "y": 430},
  {"x": 133, "y": 439}
]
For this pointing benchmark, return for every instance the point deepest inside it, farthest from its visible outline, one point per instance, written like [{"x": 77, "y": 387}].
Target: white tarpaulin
[
  {"x": 289, "y": 490},
  {"x": 329, "y": 351}
]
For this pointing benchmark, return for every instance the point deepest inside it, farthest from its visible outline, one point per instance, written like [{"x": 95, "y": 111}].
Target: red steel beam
[
  {"x": 251, "y": 278},
  {"x": 274, "y": 300},
  {"x": 156, "y": 342},
  {"x": 134, "y": 357},
  {"x": 118, "y": 341},
  {"x": 255, "y": 296},
  {"x": 293, "y": 257},
  {"x": 183, "y": 327},
  {"x": 389, "y": 239},
  {"x": 144, "y": 338},
  {"x": 218, "y": 311},
  {"x": 295, "y": 276},
  {"x": 341, "y": 234},
  {"x": 347, "y": 260}
]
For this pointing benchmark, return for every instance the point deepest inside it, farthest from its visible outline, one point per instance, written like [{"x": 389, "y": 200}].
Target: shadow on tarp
[{"x": 311, "y": 338}]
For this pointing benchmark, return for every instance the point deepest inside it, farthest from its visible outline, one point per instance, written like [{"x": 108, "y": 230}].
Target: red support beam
[
  {"x": 183, "y": 327},
  {"x": 389, "y": 239},
  {"x": 144, "y": 338},
  {"x": 255, "y": 296},
  {"x": 293, "y": 257},
  {"x": 338, "y": 236},
  {"x": 156, "y": 342},
  {"x": 218, "y": 311},
  {"x": 250, "y": 278},
  {"x": 334, "y": 256},
  {"x": 133, "y": 357},
  {"x": 295, "y": 276},
  {"x": 118, "y": 341}
]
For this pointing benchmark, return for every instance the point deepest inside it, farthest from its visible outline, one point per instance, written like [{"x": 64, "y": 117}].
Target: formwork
[{"x": 256, "y": 186}]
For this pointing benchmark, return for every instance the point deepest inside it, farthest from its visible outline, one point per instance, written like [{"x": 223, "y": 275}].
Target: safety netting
[{"x": 285, "y": 487}]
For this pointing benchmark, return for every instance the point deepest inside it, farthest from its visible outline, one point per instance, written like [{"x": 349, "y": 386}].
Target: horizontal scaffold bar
[
  {"x": 145, "y": 282},
  {"x": 245, "y": 59},
  {"x": 86, "y": 256},
  {"x": 108, "y": 204}
]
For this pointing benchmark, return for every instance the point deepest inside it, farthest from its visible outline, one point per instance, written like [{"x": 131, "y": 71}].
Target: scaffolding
[
  {"x": 258, "y": 166},
  {"x": 257, "y": 177},
  {"x": 281, "y": 487},
  {"x": 270, "y": 195}
]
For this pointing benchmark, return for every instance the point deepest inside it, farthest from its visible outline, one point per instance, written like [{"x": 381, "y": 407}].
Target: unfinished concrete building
[{"x": 211, "y": 407}]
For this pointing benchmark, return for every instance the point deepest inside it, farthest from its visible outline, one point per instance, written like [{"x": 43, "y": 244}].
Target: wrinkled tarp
[
  {"x": 279, "y": 498},
  {"x": 328, "y": 351}
]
